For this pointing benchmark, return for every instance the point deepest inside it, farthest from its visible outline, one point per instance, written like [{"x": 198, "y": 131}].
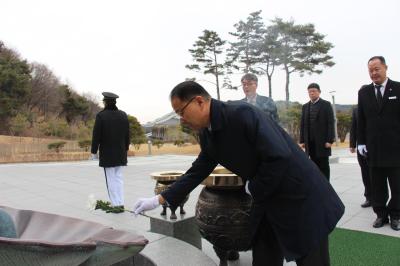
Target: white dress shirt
[{"x": 382, "y": 89}]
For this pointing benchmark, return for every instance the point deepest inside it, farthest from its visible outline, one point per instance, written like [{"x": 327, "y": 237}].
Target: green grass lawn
[{"x": 355, "y": 248}]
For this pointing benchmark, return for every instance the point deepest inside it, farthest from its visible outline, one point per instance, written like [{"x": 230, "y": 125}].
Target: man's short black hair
[
  {"x": 314, "y": 86},
  {"x": 110, "y": 101},
  {"x": 188, "y": 89},
  {"x": 379, "y": 57},
  {"x": 250, "y": 77}
]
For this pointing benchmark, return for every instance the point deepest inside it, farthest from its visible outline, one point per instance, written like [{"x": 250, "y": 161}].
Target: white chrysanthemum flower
[{"x": 91, "y": 202}]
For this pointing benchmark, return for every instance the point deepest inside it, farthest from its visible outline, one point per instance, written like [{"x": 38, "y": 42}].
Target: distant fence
[
  {"x": 34, "y": 152},
  {"x": 28, "y": 148}
]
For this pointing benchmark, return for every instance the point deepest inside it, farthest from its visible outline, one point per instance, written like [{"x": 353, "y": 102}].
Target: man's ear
[
  {"x": 200, "y": 99},
  {"x": 202, "y": 102}
]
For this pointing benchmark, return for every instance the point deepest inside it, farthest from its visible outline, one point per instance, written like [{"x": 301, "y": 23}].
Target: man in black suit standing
[
  {"x": 317, "y": 129},
  {"x": 362, "y": 160},
  {"x": 111, "y": 138},
  {"x": 294, "y": 207},
  {"x": 250, "y": 84},
  {"x": 378, "y": 136}
]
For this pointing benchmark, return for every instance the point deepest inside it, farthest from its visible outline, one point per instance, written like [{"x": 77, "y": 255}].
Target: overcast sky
[{"x": 138, "y": 49}]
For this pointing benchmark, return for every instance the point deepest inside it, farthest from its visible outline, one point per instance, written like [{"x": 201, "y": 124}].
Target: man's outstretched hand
[{"x": 146, "y": 204}]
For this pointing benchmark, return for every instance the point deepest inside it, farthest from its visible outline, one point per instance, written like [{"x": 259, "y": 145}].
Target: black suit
[
  {"x": 379, "y": 130},
  {"x": 315, "y": 135},
  {"x": 362, "y": 160},
  {"x": 292, "y": 201}
]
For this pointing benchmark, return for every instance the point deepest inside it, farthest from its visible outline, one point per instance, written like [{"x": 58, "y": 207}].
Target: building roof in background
[{"x": 168, "y": 119}]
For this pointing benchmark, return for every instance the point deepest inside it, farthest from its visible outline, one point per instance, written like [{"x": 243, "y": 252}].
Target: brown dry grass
[
  {"x": 188, "y": 148},
  {"x": 46, "y": 155},
  {"x": 341, "y": 145},
  {"x": 167, "y": 148}
]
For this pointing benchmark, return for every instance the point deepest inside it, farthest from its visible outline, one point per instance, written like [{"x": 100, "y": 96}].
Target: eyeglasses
[
  {"x": 248, "y": 83},
  {"x": 181, "y": 111}
]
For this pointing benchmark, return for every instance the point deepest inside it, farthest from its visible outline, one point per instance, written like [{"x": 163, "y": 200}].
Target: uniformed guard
[{"x": 111, "y": 138}]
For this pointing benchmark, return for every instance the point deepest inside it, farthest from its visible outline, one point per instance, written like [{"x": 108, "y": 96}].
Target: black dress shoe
[
  {"x": 366, "y": 204},
  {"x": 395, "y": 224},
  {"x": 380, "y": 221}
]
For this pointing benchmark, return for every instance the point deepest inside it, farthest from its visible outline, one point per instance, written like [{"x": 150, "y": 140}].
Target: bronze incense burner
[
  {"x": 222, "y": 214},
  {"x": 164, "y": 180}
]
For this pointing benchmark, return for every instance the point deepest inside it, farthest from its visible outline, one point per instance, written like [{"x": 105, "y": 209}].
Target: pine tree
[
  {"x": 206, "y": 51},
  {"x": 244, "y": 53},
  {"x": 302, "y": 49}
]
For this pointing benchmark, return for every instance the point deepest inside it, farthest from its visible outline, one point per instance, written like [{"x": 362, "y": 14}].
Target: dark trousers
[
  {"x": 321, "y": 162},
  {"x": 267, "y": 251},
  {"x": 380, "y": 176},
  {"x": 362, "y": 161}
]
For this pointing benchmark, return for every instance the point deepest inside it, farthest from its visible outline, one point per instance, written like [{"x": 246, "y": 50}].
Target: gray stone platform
[
  {"x": 63, "y": 188},
  {"x": 184, "y": 228}
]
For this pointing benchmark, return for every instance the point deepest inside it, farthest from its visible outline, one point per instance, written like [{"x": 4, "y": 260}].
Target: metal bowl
[
  {"x": 167, "y": 175},
  {"x": 222, "y": 177}
]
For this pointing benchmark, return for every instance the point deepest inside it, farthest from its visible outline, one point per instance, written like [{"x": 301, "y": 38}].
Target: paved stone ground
[{"x": 63, "y": 188}]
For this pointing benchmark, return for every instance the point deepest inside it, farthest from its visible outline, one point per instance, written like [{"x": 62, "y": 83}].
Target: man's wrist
[{"x": 161, "y": 199}]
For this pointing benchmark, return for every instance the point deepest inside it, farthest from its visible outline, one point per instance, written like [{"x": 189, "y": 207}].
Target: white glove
[
  {"x": 145, "y": 204},
  {"x": 93, "y": 157},
  {"x": 362, "y": 149},
  {"x": 246, "y": 188}
]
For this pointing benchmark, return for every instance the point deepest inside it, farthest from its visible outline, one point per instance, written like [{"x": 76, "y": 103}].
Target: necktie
[{"x": 379, "y": 95}]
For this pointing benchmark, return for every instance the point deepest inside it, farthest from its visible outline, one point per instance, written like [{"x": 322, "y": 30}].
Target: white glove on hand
[
  {"x": 362, "y": 149},
  {"x": 93, "y": 157},
  {"x": 145, "y": 204},
  {"x": 246, "y": 187}
]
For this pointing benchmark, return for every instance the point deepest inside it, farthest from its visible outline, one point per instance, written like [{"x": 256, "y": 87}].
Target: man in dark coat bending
[{"x": 294, "y": 206}]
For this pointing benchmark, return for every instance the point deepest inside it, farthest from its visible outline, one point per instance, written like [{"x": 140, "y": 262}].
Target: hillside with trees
[{"x": 35, "y": 103}]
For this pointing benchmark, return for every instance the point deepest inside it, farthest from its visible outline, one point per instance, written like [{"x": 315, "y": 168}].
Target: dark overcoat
[
  {"x": 324, "y": 128},
  {"x": 379, "y": 128},
  {"x": 111, "y": 138},
  {"x": 353, "y": 128},
  {"x": 287, "y": 187}
]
